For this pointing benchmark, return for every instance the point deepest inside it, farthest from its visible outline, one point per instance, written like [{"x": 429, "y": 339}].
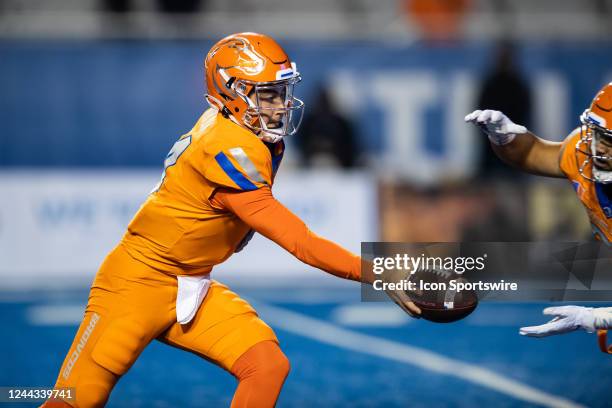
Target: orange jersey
[
  {"x": 178, "y": 229},
  {"x": 215, "y": 191},
  {"x": 591, "y": 194}
]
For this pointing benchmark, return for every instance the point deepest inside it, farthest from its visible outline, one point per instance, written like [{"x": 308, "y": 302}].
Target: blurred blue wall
[{"x": 123, "y": 103}]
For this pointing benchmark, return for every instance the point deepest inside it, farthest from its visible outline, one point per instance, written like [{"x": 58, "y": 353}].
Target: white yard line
[
  {"x": 328, "y": 333},
  {"x": 324, "y": 332},
  {"x": 55, "y": 315},
  {"x": 370, "y": 315}
]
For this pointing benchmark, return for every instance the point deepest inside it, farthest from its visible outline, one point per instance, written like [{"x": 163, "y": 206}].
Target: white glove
[
  {"x": 570, "y": 318},
  {"x": 496, "y": 125}
]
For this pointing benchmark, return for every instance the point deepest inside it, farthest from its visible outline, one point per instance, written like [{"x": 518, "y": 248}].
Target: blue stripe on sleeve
[{"x": 233, "y": 173}]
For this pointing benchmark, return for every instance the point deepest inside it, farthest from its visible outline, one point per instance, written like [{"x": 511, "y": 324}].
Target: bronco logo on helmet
[{"x": 250, "y": 79}]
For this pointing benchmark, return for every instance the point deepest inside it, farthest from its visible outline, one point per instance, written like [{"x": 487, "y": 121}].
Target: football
[{"x": 437, "y": 298}]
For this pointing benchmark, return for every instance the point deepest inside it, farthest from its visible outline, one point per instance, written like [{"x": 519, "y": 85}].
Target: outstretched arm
[
  {"x": 266, "y": 215},
  {"x": 570, "y": 318},
  {"x": 517, "y": 146}
]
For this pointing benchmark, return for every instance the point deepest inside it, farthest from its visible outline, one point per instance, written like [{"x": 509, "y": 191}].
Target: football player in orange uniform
[
  {"x": 215, "y": 192},
  {"x": 585, "y": 158}
]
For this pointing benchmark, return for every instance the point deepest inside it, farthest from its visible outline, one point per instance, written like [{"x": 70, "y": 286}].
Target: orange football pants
[{"x": 131, "y": 304}]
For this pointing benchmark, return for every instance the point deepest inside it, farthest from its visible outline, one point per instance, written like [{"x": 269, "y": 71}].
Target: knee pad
[
  {"x": 263, "y": 359},
  {"x": 278, "y": 364},
  {"x": 120, "y": 345}
]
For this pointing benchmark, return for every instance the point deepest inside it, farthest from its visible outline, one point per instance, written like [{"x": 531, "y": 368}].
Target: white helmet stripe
[
  {"x": 597, "y": 119},
  {"x": 287, "y": 73}
]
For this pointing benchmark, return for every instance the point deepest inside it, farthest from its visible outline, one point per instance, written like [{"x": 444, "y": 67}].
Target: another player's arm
[
  {"x": 517, "y": 146},
  {"x": 266, "y": 215},
  {"x": 570, "y": 318},
  {"x": 532, "y": 154}
]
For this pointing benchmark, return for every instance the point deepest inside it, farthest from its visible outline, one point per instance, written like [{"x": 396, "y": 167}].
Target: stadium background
[{"x": 93, "y": 94}]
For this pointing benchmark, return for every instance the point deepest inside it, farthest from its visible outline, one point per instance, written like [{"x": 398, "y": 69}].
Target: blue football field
[{"x": 343, "y": 353}]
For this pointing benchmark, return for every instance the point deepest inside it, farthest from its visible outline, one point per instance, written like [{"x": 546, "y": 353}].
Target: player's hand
[
  {"x": 498, "y": 127},
  {"x": 566, "y": 319},
  {"x": 400, "y": 297}
]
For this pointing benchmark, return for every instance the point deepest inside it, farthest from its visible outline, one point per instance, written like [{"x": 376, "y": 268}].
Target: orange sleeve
[
  {"x": 263, "y": 213},
  {"x": 603, "y": 342}
]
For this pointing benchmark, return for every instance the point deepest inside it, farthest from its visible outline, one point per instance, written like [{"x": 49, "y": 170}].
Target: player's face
[
  {"x": 271, "y": 102},
  {"x": 276, "y": 111},
  {"x": 603, "y": 148}
]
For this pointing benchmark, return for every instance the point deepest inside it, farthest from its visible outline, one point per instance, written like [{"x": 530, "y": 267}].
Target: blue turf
[{"x": 324, "y": 375}]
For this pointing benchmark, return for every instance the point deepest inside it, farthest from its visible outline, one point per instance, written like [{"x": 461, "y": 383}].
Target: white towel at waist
[{"x": 189, "y": 297}]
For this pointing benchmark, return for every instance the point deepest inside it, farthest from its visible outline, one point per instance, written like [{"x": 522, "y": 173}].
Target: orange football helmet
[
  {"x": 250, "y": 79},
  {"x": 596, "y": 138}
]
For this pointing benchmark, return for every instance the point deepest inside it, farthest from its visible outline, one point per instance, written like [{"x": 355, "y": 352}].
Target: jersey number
[{"x": 177, "y": 149}]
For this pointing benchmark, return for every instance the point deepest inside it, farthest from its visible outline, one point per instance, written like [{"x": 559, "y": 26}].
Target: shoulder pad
[
  {"x": 567, "y": 159},
  {"x": 238, "y": 160}
]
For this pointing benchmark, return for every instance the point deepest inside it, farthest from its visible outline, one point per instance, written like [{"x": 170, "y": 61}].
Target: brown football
[{"x": 437, "y": 301}]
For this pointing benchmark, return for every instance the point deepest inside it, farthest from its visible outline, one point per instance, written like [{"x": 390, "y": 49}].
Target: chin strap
[
  {"x": 603, "y": 341},
  {"x": 266, "y": 137}
]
